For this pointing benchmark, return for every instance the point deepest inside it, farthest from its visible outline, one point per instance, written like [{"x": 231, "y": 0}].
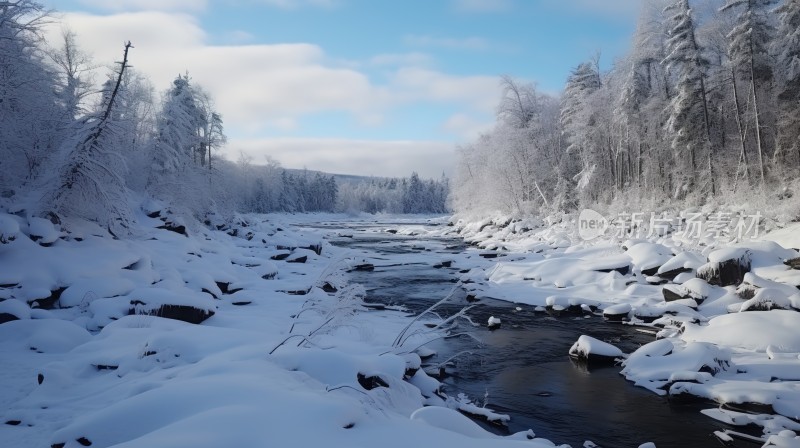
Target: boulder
[
  {"x": 767, "y": 299},
  {"x": 617, "y": 313},
  {"x": 681, "y": 263},
  {"x": 184, "y": 305},
  {"x": 173, "y": 224},
  {"x": 726, "y": 267},
  {"x": 793, "y": 263},
  {"x": 13, "y": 309},
  {"x": 185, "y": 313},
  {"x": 595, "y": 351}
]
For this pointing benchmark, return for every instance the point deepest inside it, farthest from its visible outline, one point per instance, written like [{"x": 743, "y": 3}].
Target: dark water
[{"x": 523, "y": 369}]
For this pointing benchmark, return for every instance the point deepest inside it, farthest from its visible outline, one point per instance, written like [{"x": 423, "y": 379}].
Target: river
[{"x": 522, "y": 369}]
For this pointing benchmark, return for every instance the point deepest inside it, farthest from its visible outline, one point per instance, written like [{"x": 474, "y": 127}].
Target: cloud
[
  {"x": 345, "y": 156},
  {"x": 481, "y": 6},
  {"x": 451, "y": 43},
  {"x": 466, "y": 126},
  {"x": 147, "y": 5},
  {"x": 420, "y": 84},
  {"x": 239, "y": 37}
]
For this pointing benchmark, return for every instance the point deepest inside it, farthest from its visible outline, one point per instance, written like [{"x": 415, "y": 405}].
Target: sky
[{"x": 366, "y": 87}]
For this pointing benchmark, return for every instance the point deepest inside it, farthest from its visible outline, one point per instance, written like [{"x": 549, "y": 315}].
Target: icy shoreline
[
  {"x": 726, "y": 314},
  {"x": 229, "y": 334}
]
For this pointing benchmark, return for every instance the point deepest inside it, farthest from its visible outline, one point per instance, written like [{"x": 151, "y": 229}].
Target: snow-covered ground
[
  {"x": 261, "y": 342},
  {"x": 726, "y": 313}
]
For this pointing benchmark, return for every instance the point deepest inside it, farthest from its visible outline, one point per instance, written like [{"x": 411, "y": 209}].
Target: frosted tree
[
  {"x": 749, "y": 52},
  {"x": 582, "y": 130},
  {"x": 787, "y": 50},
  {"x": 688, "y": 120},
  {"x": 643, "y": 97},
  {"x": 31, "y": 123},
  {"x": 179, "y": 149},
  {"x": 90, "y": 181},
  {"x": 520, "y": 112},
  {"x": 73, "y": 67},
  {"x": 212, "y": 133},
  {"x": 179, "y": 126}
]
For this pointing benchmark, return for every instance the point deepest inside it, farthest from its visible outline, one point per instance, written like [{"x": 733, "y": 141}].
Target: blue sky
[{"x": 371, "y": 87}]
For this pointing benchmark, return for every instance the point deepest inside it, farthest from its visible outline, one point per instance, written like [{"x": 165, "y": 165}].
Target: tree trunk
[
  {"x": 743, "y": 152},
  {"x": 755, "y": 106}
]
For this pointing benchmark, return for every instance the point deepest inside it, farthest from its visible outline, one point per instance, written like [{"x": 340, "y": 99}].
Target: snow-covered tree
[
  {"x": 31, "y": 121},
  {"x": 90, "y": 180},
  {"x": 787, "y": 49},
  {"x": 688, "y": 120},
  {"x": 749, "y": 53},
  {"x": 73, "y": 67}
]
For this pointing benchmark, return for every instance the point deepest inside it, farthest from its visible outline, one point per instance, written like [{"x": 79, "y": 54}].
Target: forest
[
  {"x": 704, "y": 109},
  {"x": 69, "y": 147}
]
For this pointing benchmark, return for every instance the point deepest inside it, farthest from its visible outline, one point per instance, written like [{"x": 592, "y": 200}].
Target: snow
[
  {"x": 16, "y": 308},
  {"x": 267, "y": 366},
  {"x": 747, "y": 330},
  {"x": 42, "y": 230},
  {"x": 280, "y": 356},
  {"x": 683, "y": 260},
  {"x": 9, "y": 228},
  {"x": 586, "y": 346},
  {"x": 649, "y": 255}
]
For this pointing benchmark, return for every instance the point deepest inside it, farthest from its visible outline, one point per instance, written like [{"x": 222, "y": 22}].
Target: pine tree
[
  {"x": 749, "y": 41},
  {"x": 688, "y": 111},
  {"x": 787, "y": 50}
]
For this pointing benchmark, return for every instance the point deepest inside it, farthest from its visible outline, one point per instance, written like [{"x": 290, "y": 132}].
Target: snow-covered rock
[
  {"x": 184, "y": 305},
  {"x": 13, "y": 309},
  {"x": 9, "y": 228},
  {"x": 42, "y": 231},
  {"x": 726, "y": 266},
  {"x": 594, "y": 350}
]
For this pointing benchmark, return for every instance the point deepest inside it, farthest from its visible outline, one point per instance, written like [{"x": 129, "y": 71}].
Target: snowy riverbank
[
  {"x": 726, "y": 314},
  {"x": 262, "y": 341}
]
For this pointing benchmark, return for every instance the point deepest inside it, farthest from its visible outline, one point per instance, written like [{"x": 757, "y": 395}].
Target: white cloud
[
  {"x": 481, "y": 5},
  {"x": 344, "y": 156},
  {"x": 147, "y": 5},
  {"x": 466, "y": 126},
  {"x": 452, "y": 43},
  {"x": 481, "y": 93},
  {"x": 239, "y": 37}
]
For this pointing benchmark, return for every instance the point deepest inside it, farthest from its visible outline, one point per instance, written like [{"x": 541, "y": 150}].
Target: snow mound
[
  {"x": 587, "y": 347},
  {"x": 42, "y": 230},
  {"x": 746, "y": 330},
  {"x": 9, "y": 228},
  {"x": 43, "y": 335},
  {"x": 649, "y": 256},
  {"x": 16, "y": 308}
]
